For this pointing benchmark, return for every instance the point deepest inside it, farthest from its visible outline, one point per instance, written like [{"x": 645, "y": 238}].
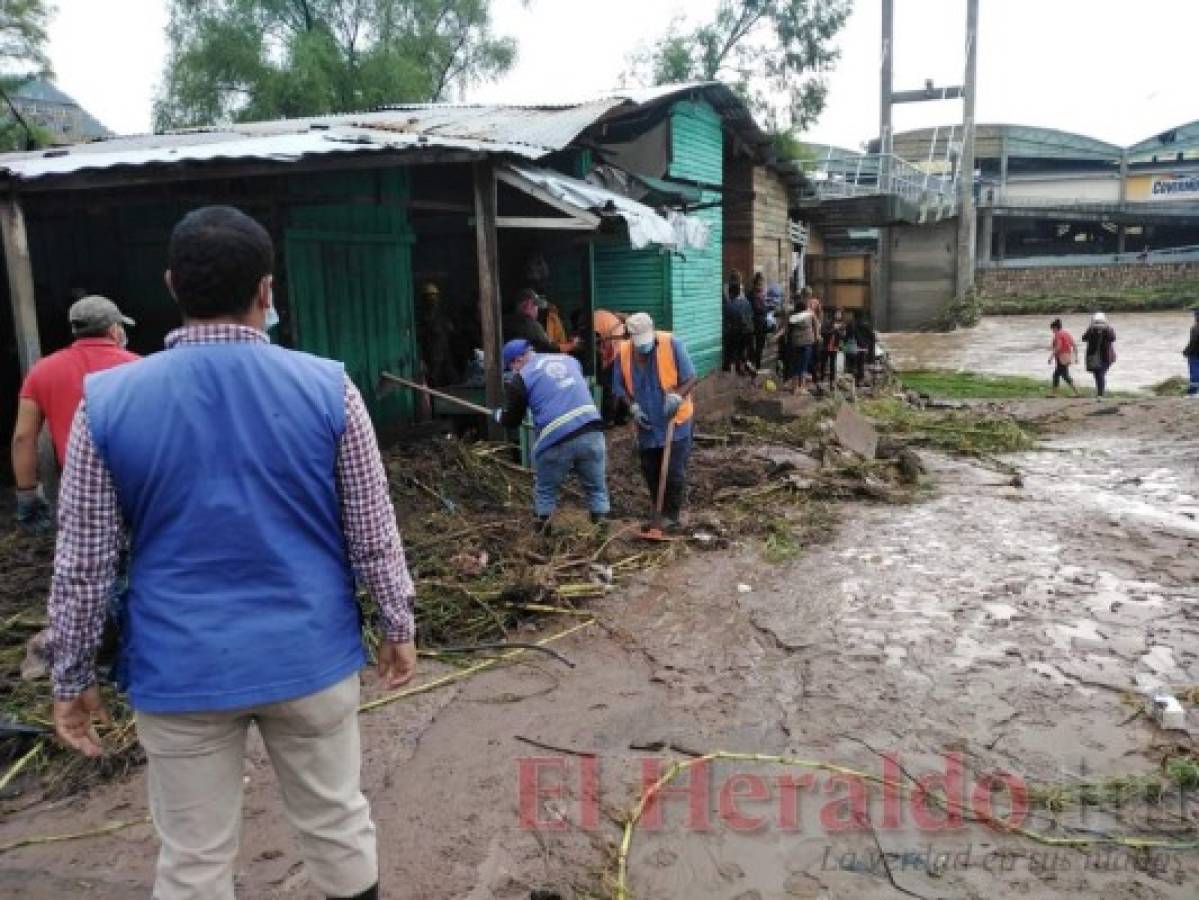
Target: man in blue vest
[
  {"x": 249, "y": 482},
  {"x": 569, "y": 429}
]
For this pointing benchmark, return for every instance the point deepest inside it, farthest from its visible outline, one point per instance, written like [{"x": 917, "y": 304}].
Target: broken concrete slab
[
  {"x": 855, "y": 433},
  {"x": 784, "y": 459}
]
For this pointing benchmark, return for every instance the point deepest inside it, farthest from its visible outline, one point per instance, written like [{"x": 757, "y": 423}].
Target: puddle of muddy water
[{"x": 1018, "y": 345}]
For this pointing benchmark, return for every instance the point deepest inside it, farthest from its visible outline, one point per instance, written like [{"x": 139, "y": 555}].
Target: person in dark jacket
[
  {"x": 522, "y": 323},
  {"x": 738, "y": 325},
  {"x": 1192, "y": 354},
  {"x": 1100, "y": 339},
  {"x": 832, "y": 336},
  {"x": 860, "y": 344},
  {"x": 760, "y": 306}
]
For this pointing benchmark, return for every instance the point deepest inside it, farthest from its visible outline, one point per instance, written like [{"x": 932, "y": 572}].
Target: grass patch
[
  {"x": 1179, "y": 295},
  {"x": 1171, "y": 387},
  {"x": 964, "y": 432},
  {"x": 963, "y": 385}
]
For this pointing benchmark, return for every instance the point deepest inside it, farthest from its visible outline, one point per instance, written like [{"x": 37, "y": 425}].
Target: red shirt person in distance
[{"x": 52, "y": 391}]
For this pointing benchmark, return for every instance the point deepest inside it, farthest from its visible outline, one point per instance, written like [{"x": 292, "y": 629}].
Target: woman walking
[{"x": 1100, "y": 339}]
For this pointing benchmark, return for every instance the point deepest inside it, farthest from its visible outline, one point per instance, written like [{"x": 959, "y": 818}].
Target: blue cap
[{"x": 515, "y": 349}]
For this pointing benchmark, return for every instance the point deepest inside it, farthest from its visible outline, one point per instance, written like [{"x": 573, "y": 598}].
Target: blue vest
[
  {"x": 558, "y": 396},
  {"x": 224, "y": 459}
]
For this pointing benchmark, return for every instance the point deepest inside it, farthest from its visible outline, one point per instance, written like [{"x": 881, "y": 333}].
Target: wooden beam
[
  {"x": 555, "y": 223},
  {"x": 487, "y": 252},
  {"x": 522, "y": 184},
  {"x": 20, "y": 282}
]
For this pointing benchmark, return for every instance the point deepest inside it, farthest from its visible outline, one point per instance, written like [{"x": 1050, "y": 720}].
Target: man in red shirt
[
  {"x": 1062, "y": 352},
  {"x": 52, "y": 391}
]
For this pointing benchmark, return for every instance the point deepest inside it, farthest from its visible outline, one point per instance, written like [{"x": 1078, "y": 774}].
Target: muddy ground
[{"x": 1007, "y": 624}]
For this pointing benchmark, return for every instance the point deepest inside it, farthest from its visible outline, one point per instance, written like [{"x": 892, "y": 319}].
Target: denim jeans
[
  {"x": 676, "y": 476},
  {"x": 1193, "y": 363},
  {"x": 585, "y": 454}
]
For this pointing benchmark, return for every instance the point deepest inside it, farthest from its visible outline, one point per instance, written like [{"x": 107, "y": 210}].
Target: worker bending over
[
  {"x": 52, "y": 391},
  {"x": 656, "y": 376},
  {"x": 569, "y": 430}
]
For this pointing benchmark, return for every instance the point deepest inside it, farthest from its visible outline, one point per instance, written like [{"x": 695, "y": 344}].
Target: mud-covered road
[{"x": 995, "y": 626}]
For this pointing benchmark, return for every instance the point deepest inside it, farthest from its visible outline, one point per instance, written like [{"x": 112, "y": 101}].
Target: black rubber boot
[{"x": 371, "y": 893}]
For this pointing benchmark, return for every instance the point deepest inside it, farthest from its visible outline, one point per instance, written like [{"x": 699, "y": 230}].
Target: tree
[
  {"x": 241, "y": 60},
  {"x": 764, "y": 49},
  {"x": 23, "y": 40}
]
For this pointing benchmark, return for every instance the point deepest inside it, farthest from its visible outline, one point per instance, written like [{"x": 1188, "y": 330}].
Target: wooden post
[
  {"x": 487, "y": 249},
  {"x": 20, "y": 282}
]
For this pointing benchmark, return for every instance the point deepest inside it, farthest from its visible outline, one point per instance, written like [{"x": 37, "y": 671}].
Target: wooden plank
[
  {"x": 20, "y": 282},
  {"x": 556, "y": 223},
  {"x": 524, "y": 185},
  {"x": 487, "y": 252}
]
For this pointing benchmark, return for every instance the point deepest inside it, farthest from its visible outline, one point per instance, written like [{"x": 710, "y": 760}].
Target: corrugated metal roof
[
  {"x": 1025, "y": 141},
  {"x": 529, "y": 131},
  {"x": 235, "y": 145}
]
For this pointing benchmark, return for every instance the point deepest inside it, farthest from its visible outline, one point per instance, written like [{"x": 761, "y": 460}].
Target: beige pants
[{"x": 196, "y": 769}]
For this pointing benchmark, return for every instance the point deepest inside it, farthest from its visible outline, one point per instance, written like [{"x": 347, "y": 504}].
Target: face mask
[
  {"x": 272, "y": 317},
  {"x": 644, "y": 349}
]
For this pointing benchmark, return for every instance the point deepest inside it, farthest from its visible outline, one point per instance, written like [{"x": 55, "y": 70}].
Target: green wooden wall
[
  {"x": 680, "y": 291},
  {"x": 349, "y": 279},
  {"x": 697, "y": 154}
]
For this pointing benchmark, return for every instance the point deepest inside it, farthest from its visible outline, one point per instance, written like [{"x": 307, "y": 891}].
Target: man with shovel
[{"x": 655, "y": 374}]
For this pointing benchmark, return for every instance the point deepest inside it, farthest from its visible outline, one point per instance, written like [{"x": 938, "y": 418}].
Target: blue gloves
[
  {"x": 33, "y": 513},
  {"x": 640, "y": 416},
  {"x": 671, "y": 405}
]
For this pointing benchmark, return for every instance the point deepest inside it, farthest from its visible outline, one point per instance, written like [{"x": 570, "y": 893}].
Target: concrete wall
[
  {"x": 921, "y": 275},
  {"x": 1009, "y": 282},
  {"x": 1086, "y": 189}
]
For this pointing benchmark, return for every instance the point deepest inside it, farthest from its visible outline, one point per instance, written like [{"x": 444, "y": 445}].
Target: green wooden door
[{"x": 351, "y": 296}]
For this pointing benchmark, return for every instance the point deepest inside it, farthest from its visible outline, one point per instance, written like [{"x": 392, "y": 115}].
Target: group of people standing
[{"x": 810, "y": 342}]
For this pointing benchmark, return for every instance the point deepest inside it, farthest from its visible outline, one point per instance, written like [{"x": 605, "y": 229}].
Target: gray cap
[{"x": 93, "y": 313}]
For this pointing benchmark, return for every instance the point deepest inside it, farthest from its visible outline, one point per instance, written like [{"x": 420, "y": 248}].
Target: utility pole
[
  {"x": 966, "y": 220},
  {"x": 880, "y": 301},
  {"x": 886, "y": 58}
]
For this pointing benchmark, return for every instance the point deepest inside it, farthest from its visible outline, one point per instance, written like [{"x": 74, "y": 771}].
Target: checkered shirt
[{"x": 92, "y": 530}]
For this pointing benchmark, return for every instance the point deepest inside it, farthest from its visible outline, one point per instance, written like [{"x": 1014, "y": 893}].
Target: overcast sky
[{"x": 1108, "y": 68}]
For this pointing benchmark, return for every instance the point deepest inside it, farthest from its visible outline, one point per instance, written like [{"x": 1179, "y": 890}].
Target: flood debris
[{"x": 484, "y": 573}]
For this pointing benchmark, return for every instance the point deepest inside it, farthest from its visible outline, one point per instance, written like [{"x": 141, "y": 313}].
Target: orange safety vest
[{"x": 668, "y": 373}]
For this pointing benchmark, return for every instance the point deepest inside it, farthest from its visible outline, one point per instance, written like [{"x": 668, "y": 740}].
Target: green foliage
[
  {"x": 958, "y": 385},
  {"x": 242, "y": 60},
  {"x": 765, "y": 49},
  {"x": 23, "y": 40},
  {"x": 965, "y": 432},
  {"x": 1178, "y": 295},
  {"x": 23, "y": 25},
  {"x": 1172, "y": 387}
]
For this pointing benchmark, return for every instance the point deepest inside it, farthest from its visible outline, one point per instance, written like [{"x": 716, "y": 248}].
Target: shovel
[{"x": 654, "y": 532}]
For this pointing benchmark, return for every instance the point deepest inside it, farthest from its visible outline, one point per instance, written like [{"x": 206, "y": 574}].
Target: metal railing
[
  {"x": 1188, "y": 254},
  {"x": 876, "y": 174}
]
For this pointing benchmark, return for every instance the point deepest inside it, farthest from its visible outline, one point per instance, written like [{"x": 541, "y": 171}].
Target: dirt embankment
[{"x": 1006, "y": 622}]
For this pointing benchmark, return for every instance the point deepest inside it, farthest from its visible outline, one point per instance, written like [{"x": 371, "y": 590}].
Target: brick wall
[{"x": 1004, "y": 283}]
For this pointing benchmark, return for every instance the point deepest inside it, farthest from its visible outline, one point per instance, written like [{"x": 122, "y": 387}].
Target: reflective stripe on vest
[
  {"x": 558, "y": 396},
  {"x": 668, "y": 373},
  {"x": 560, "y": 421}
]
